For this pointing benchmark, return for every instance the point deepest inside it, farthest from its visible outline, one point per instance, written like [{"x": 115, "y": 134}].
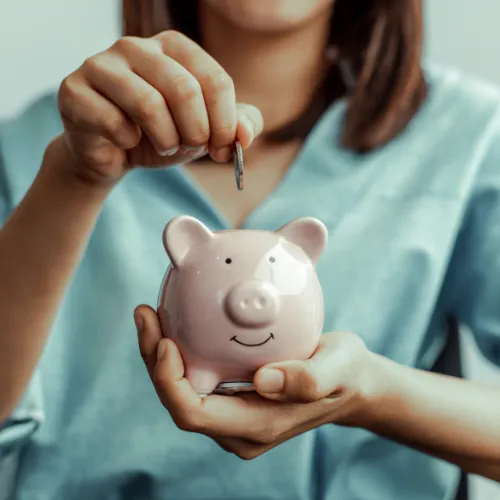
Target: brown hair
[{"x": 378, "y": 47}]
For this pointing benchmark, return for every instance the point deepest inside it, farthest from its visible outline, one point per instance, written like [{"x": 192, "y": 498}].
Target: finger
[
  {"x": 149, "y": 334},
  {"x": 249, "y": 419},
  {"x": 143, "y": 104},
  {"x": 217, "y": 88},
  {"x": 83, "y": 108},
  {"x": 179, "y": 88},
  {"x": 213, "y": 415},
  {"x": 304, "y": 381},
  {"x": 248, "y": 450},
  {"x": 174, "y": 390},
  {"x": 250, "y": 124}
]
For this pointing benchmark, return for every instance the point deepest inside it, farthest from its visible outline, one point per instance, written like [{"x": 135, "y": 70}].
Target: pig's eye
[
  {"x": 272, "y": 259},
  {"x": 228, "y": 261}
]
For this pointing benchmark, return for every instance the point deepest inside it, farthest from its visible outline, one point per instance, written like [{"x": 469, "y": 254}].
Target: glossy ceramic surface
[{"x": 236, "y": 300}]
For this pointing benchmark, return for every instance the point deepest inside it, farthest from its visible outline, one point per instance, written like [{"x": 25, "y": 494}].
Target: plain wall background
[{"x": 41, "y": 42}]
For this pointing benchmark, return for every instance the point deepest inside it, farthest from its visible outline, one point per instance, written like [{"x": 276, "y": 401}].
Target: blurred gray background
[{"x": 41, "y": 42}]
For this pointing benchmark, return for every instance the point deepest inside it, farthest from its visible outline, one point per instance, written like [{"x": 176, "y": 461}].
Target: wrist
[
  {"x": 56, "y": 184},
  {"x": 376, "y": 385},
  {"x": 60, "y": 165}
]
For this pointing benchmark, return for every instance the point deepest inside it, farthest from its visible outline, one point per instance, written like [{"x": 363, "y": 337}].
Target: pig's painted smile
[{"x": 234, "y": 339}]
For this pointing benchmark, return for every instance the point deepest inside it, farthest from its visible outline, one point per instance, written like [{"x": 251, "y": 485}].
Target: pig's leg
[{"x": 203, "y": 380}]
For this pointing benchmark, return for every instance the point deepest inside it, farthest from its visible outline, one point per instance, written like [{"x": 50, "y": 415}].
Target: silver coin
[
  {"x": 231, "y": 388},
  {"x": 238, "y": 165}
]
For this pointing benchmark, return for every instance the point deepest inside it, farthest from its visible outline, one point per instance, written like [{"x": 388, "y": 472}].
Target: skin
[{"x": 142, "y": 98}]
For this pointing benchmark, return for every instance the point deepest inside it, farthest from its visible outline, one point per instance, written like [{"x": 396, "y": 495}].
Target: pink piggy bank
[{"x": 236, "y": 300}]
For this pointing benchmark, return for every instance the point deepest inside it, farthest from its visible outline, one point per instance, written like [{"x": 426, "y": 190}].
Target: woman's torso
[{"x": 393, "y": 218}]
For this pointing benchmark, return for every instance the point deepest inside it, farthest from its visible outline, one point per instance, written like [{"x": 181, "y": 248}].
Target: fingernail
[
  {"x": 199, "y": 152},
  {"x": 162, "y": 347},
  {"x": 168, "y": 152},
  {"x": 249, "y": 125},
  {"x": 193, "y": 150},
  {"x": 139, "y": 323},
  {"x": 271, "y": 381},
  {"x": 223, "y": 155}
]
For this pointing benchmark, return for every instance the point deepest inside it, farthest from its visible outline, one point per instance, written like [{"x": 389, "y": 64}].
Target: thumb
[
  {"x": 250, "y": 124},
  {"x": 304, "y": 381},
  {"x": 294, "y": 381}
]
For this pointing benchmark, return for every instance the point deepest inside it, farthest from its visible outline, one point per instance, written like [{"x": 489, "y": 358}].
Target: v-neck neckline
[{"x": 296, "y": 168}]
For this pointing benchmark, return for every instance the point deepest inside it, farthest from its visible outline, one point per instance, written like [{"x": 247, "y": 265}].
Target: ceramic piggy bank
[{"x": 236, "y": 300}]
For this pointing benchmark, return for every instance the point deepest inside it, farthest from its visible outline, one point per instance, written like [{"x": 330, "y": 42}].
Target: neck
[{"x": 278, "y": 73}]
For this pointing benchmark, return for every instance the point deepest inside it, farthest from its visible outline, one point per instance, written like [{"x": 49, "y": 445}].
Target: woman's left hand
[{"x": 336, "y": 385}]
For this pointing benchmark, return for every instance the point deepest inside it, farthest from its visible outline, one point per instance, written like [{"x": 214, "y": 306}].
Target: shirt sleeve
[
  {"x": 475, "y": 266},
  {"x": 24, "y": 420},
  {"x": 28, "y": 415}
]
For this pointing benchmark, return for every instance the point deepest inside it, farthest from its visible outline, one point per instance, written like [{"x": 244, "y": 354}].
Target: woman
[{"x": 339, "y": 121}]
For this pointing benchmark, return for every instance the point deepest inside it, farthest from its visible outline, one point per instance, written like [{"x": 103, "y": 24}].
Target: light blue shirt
[{"x": 414, "y": 236}]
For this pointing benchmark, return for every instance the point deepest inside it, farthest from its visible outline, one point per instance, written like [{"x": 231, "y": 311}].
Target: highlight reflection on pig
[{"x": 236, "y": 300}]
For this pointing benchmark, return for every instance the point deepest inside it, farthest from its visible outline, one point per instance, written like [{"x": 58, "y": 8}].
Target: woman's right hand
[{"x": 151, "y": 102}]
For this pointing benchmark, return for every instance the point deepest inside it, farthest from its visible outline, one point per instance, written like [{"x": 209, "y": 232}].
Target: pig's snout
[{"x": 253, "y": 304}]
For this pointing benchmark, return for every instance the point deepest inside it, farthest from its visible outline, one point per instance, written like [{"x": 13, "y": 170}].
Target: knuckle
[
  {"x": 94, "y": 64},
  {"x": 91, "y": 63},
  {"x": 67, "y": 99},
  {"x": 217, "y": 81},
  {"x": 125, "y": 137},
  {"x": 67, "y": 91},
  {"x": 113, "y": 125},
  {"x": 186, "y": 89},
  {"x": 127, "y": 43},
  {"x": 149, "y": 103},
  {"x": 66, "y": 86},
  {"x": 170, "y": 36}
]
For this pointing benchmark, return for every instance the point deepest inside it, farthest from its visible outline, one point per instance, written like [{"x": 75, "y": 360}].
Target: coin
[
  {"x": 232, "y": 388},
  {"x": 238, "y": 165}
]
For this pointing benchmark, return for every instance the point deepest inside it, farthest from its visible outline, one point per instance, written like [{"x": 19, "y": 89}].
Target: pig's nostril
[{"x": 260, "y": 303}]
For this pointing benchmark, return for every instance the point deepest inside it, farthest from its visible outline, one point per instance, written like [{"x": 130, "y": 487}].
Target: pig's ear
[
  {"x": 308, "y": 233},
  {"x": 181, "y": 235}
]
